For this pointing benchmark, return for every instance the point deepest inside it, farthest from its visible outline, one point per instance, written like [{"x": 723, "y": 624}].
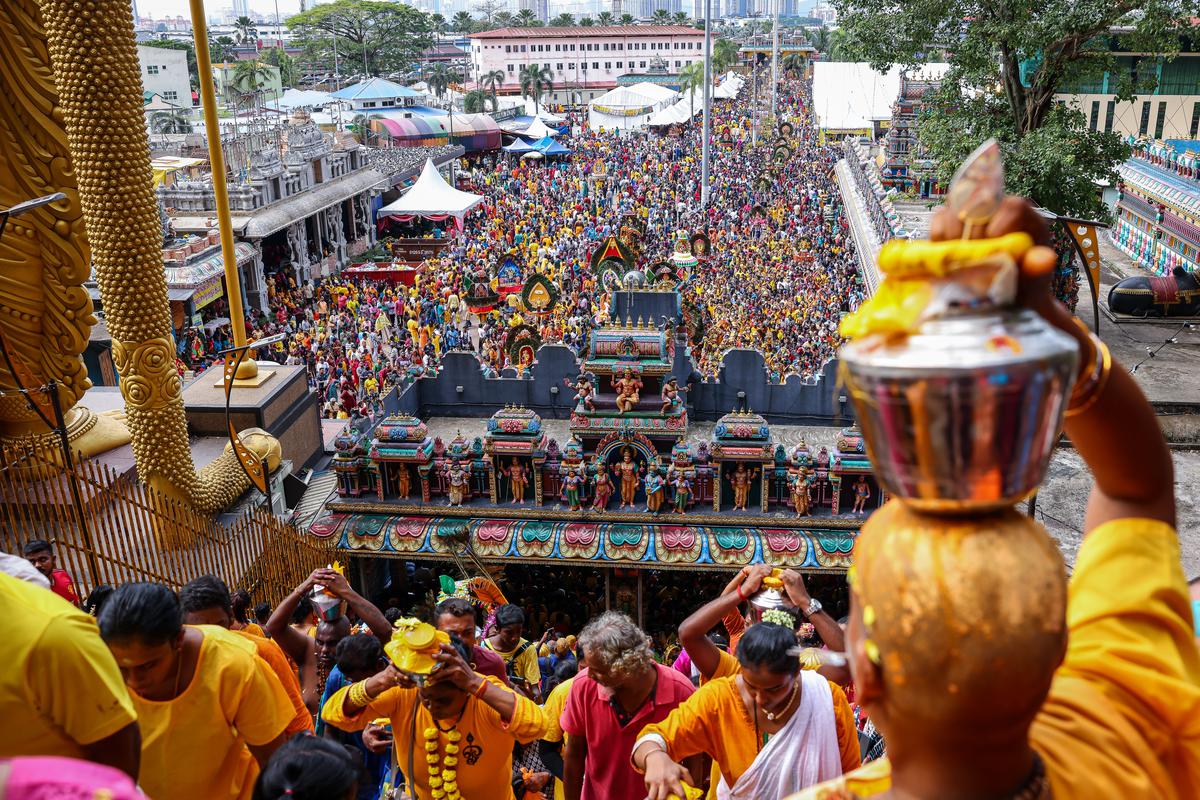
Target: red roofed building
[{"x": 584, "y": 62}]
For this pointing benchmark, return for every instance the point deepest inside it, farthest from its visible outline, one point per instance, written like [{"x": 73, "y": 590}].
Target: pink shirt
[{"x": 588, "y": 713}]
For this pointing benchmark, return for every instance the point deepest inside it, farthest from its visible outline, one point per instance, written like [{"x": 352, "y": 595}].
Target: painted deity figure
[
  {"x": 798, "y": 487},
  {"x": 683, "y": 492},
  {"x": 862, "y": 493},
  {"x": 583, "y": 392},
  {"x": 403, "y": 482},
  {"x": 628, "y": 388},
  {"x": 573, "y": 488},
  {"x": 672, "y": 403},
  {"x": 627, "y": 469},
  {"x": 655, "y": 490},
  {"x": 742, "y": 479},
  {"x": 604, "y": 490},
  {"x": 518, "y": 478},
  {"x": 822, "y": 474},
  {"x": 459, "y": 478}
]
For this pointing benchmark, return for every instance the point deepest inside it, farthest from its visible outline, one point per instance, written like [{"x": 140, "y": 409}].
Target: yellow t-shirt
[
  {"x": 60, "y": 686},
  {"x": 195, "y": 745},
  {"x": 525, "y": 665},
  {"x": 485, "y": 751},
  {"x": 1122, "y": 718},
  {"x": 553, "y": 707}
]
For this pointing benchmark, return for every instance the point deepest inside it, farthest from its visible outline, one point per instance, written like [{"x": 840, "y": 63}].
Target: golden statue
[{"x": 73, "y": 122}]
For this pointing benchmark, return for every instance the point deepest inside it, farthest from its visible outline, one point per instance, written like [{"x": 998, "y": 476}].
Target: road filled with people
[{"x": 779, "y": 274}]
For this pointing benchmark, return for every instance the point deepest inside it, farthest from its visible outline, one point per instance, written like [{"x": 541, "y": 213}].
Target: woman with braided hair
[{"x": 309, "y": 768}]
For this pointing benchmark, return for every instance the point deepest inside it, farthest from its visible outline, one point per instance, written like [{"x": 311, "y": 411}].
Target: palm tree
[
  {"x": 463, "y": 22},
  {"x": 586, "y": 22},
  {"x": 169, "y": 122},
  {"x": 820, "y": 39},
  {"x": 503, "y": 18},
  {"x": 793, "y": 62},
  {"x": 222, "y": 49},
  {"x": 691, "y": 79},
  {"x": 627, "y": 19},
  {"x": 840, "y": 48},
  {"x": 661, "y": 17},
  {"x": 604, "y": 18},
  {"x": 476, "y": 101},
  {"x": 526, "y": 18},
  {"x": 535, "y": 83},
  {"x": 439, "y": 79},
  {"x": 563, "y": 21},
  {"x": 250, "y": 76},
  {"x": 492, "y": 81},
  {"x": 245, "y": 30},
  {"x": 681, "y": 18},
  {"x": 725, "y": 55}
]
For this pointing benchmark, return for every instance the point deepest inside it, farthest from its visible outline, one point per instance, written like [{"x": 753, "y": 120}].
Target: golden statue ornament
[{"x": 73, "y": 122}]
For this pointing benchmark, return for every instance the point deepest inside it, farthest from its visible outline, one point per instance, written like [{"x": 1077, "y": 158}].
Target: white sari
[{"x": 804, "y": 752}]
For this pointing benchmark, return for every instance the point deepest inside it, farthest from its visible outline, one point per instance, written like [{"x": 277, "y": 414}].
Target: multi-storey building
[
  {"x": 906, "y": 167},
  {"x": 165, "y": 73},
  {"x": 583, "y": 62},
  {"x": 1158, "y": 206}
]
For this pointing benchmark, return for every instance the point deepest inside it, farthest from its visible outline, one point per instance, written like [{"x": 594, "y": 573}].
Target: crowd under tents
[{"x": 430, "y": 198}]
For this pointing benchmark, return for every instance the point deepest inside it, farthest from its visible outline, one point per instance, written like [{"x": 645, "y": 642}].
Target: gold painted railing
[{"x": 120, "y": 530}]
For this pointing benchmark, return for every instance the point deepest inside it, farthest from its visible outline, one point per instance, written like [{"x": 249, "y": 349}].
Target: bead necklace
[{"x": 443, "y": 770}]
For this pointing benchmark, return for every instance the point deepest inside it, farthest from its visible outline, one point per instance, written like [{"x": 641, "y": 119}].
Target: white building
[
  {"x": 583, "y": 62},
  {"x": 165, "y": 73},
  {"x": 825, "y": 12}
]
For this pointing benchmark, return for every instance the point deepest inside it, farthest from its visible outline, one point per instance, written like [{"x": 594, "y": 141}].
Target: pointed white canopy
[
  {"x": 431, "y": 196},
  {"x": 532, "y": 110},
  {"x": 538, "y": 130}
]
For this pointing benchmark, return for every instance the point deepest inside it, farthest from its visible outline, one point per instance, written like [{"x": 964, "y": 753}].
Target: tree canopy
[
  {"x": 1007, "y": 62},
  {"x": 372, "y": 36}
]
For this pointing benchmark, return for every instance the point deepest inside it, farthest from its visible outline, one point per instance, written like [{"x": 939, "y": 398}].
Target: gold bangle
[
  {"x": 359, "y": 695},
  {"x": 1090, "y": 393}
]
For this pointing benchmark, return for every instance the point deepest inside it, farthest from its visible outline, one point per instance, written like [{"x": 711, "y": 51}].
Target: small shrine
[
  {"x": 510, "y": 278},
  {"x": 403, "y": 453},
  {"x": 851, "y": 476},
  {"x": 352, "y": 463},
  {"x": 515, "y": 447},
  {"x": 459, "y": 469},
  {"x": 743, "y": 458},
  {"x": 683, "y": 259}
]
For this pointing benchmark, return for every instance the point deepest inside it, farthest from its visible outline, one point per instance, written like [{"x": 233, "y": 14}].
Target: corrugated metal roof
[
  {"x": 596, "y": 31},
  {"x": 375, "y": 89}
]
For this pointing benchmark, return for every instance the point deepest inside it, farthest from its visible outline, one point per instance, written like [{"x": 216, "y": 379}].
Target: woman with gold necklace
[
  {"x": 210, "y": 710},
  {"x": 453, "y": 735},
  {"x": 771, "y": 727}
]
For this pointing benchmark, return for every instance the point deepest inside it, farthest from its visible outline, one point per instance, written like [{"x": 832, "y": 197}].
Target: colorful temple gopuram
[{"x": 1157, "y": 220}]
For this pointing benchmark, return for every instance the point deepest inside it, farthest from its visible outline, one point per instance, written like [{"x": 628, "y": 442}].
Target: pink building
[{"x": 584, "y": 62}]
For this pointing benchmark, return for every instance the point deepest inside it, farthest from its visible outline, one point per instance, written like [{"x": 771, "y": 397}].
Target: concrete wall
[{"x": 166, "y": 72}]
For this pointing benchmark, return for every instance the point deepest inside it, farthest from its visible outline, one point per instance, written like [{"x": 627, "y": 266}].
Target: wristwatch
[{"x": 814, "y": 606}]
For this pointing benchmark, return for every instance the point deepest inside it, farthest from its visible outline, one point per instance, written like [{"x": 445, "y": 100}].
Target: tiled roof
[{"x": 580, "y": 32}]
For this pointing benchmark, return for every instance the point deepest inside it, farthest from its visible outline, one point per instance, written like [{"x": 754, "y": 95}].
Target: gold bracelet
[
  {"x": 1083, "y": 398},
  {"x": 359, "y": 695}
]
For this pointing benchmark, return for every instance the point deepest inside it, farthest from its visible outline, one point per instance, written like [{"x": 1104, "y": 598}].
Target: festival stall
[
  {"x": 548, "y": 147},
  {"x": 538, "y": 130},
  {"x": 519, "y": 145},
  {"x": 628, "y": 107},
  {"x": 431, "y": 198},
  {"x": 410, "y": 131}
]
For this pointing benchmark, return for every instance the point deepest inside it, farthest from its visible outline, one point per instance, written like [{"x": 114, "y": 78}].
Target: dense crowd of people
[{"x": 778, "y": 277}]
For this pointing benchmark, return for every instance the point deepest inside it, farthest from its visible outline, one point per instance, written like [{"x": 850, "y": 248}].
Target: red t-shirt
[
  {"x": 62, "y": 585},
  {"x": 485, "y": 662},
  {"x": 588, "y": 713}
]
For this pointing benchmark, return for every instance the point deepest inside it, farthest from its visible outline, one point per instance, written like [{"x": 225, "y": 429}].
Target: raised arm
[
  {"x": 1115, "y": 402},
  {"x": 365, "y": 609},
  {"x": 693, "y": 631},
  {"x": 279, "y": 628},
  {"x": 831, "y": 633}
]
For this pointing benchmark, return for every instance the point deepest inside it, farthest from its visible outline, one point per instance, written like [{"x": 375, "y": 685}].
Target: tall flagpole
[
  {"x": 706, "y": 129},
  {"x": 775, "y": 59}
]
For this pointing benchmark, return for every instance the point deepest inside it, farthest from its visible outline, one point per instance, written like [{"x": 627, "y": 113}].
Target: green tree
[
  {"x": 170, "y": 44},
  {"x": 841, "y": 47},
  {"x": 691, "y": 82},
  {"x": 169, "y": 122},
  {"x": 492, "y": 81},
  {"x": 586, "y": 22},
  {"x": 661, "y": 17},
  {"x": 536, "y": 84},
  {"x": 249, "y": 78},
  {"x": 725, "y": 55},
  {"x": 246, "y": 31},
  {"x": 527, "y": 19},
  {"x": 439, "y": 77},
  {"x": 681, "y": 18},
  {"x": 793, "y": 62},
  {"x": 437, "y": 23},
  {"x": 463, "y": 22},
  {"x": 370, "y": 34},
  {"x": 604, "y": 18},
  {"x": 563, "y": 21},
  {"x": 819, "y": 39},
  {"x": 505, "y": 19},
  {"x": 220, "y": 50},
  {"x": 1006, "y": 65},
  {"x": 627, "y": 19},
  {"x": 476, "y": 101},
  {"x": 289, "y": 70}
]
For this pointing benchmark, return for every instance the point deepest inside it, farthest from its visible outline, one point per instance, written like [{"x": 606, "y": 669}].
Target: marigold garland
[{"x": 443, "y": 772}]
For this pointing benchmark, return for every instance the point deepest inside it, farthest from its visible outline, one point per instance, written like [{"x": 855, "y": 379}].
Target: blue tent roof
[
  {"x": 520, "y": 145},
  {"x": 549, "y": 147},
  {"x": 375, "y": 89}
]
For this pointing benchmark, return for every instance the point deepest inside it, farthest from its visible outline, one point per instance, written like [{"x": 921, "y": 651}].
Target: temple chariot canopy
[{"x": 431, "y": 197}]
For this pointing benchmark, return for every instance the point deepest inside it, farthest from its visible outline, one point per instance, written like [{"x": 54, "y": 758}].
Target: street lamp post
[{"x": 706, "y": 127}]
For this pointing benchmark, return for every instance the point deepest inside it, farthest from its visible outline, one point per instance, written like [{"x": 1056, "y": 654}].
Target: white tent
[
  {"x": 728, "y": 88},
  {"x": 848, "y": 96},
  {"x": 538, "y": 130},
  {"x": 629, "y": 107},
  {"x": 532, "y": 110},
  {"x": 431, "y": 196},
  {"x": 301, "y": 98}
]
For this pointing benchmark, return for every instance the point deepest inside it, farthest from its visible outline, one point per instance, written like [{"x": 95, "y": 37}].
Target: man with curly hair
[{"x": 620, "y": 692}]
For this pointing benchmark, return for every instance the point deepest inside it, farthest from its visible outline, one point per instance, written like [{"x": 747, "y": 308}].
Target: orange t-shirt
[{"x": 279, "y": 663}]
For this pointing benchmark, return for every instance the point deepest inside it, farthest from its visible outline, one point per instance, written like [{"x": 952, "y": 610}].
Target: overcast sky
[{"x": 170, "y": 8}]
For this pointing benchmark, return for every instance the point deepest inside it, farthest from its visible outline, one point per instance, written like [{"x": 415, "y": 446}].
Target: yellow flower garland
[{"x": 443, "y": 772}]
